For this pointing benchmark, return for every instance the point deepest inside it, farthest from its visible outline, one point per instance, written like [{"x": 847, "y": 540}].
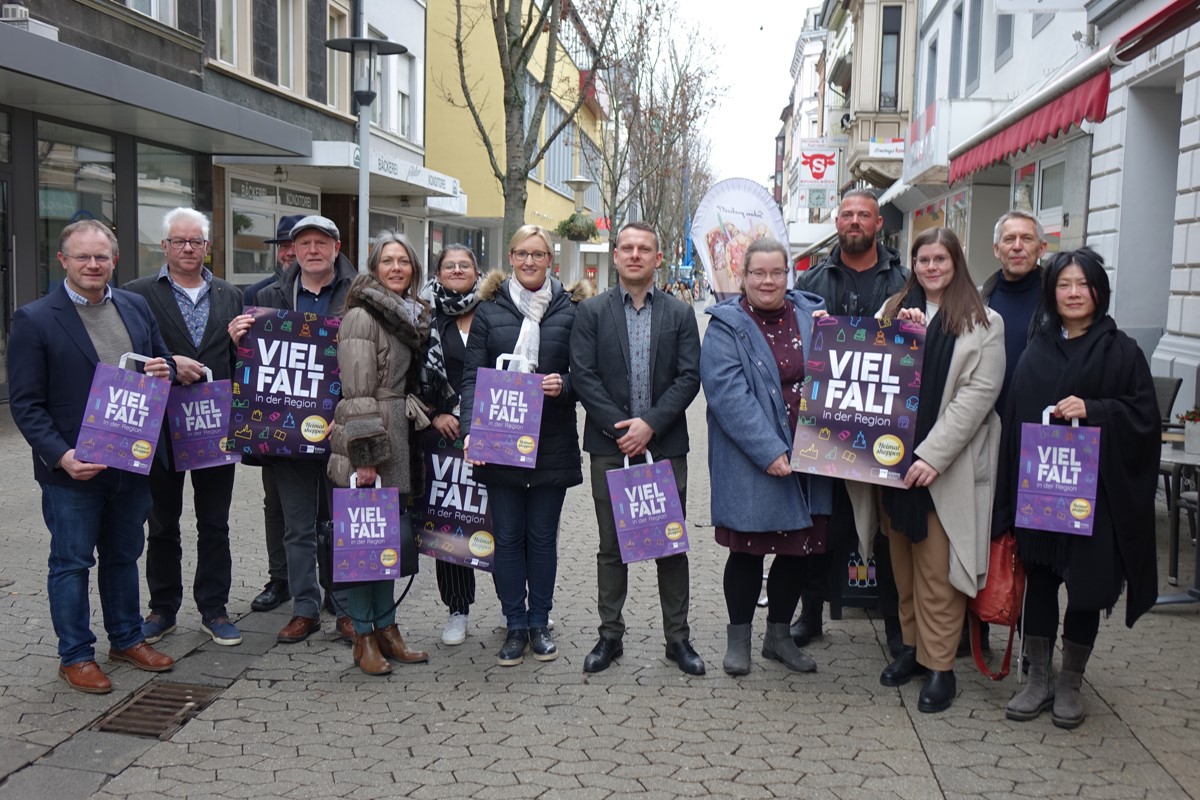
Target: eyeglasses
[
  {"x": 178, "y": 244},
  {"x": 462, "y": 266},
  {"x": 399, "y": 262},
  {"x": 102, "y": 260},
  {"x": 538, "y": 256},
  {"x": 762, "y": 275}
]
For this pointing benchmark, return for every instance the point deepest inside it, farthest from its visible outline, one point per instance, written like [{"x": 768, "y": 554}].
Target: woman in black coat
[
  {"x": 529, "y": 315},
  {"x": 1082, "y": 365}
]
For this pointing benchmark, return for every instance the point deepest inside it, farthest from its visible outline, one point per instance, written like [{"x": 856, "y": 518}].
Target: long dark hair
[
  {"x": 960, "y": 309},
  {"x": 1092, "y": 265}
]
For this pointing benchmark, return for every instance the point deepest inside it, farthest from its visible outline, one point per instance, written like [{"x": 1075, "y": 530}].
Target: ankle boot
[
  {"x": 1068, "y": 704},
  {"x": 779, "y": 646},
  {"x": 392, "y": 645},
  {"x": 1038, "y": 694},
  {"x": 367, "y": 655},
  {"x": 737, "y": 649},
  {"x": 894, "y": 636},
  {"x": 808, "y": 625}
]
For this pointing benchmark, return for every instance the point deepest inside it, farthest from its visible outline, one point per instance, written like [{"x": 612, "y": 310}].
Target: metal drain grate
[{"x": 158, "y": 709}]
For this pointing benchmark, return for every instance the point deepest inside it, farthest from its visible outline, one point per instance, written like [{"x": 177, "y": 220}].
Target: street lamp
[
  {"x": 363, "y": 51},
  {"x": 579, "y": 184}
]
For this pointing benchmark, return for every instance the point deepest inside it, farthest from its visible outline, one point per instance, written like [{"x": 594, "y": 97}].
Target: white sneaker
[{"x": 455, "y": 631}]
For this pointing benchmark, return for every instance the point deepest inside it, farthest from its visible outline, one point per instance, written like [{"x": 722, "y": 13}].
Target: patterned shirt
[
  {"x": 195, "y": 315},
  {"x": 80, "y": 300},
  {"x": 637, "y": 321}
]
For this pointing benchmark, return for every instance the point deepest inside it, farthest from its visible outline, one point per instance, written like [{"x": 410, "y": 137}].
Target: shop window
[
  {"x": 161, "y": 10},
  {"x": 76, "y": 181},
  {"x": 166, "y": 180},
  {"x": 255, "y": 209},
  {"x": 1038, "y": 188}
]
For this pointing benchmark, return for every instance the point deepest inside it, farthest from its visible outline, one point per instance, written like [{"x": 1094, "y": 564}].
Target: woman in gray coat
[
  {"x": 380, "y": 346},
  {"x": 752, "y": 367}
]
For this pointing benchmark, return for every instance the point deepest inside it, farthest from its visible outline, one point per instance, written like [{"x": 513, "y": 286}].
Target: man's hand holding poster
[{"x": 859, "y": 407}]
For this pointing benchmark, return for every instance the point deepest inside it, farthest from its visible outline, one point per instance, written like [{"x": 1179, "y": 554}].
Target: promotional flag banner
[
  {"x": 453, "y": 520},
  {"x": 123, "y": 418},
  {"x": 731, "y": 215},
  {"x": 286, "y": 384},
  {"x": 861, "y": 394},
  {"x": 506, "y": 420},
  {"x": 1058, "y": 471}
]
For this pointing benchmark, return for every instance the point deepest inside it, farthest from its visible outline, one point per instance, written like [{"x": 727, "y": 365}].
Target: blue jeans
[
  {"x": 525, "y": 523},
  {"x": 300, "y": 487},
  {"x": 102, "y": 516}
]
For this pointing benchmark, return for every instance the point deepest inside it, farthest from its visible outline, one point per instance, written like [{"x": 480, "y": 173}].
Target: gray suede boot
[
  {"x": 1038, "y": 694},
  {"x": 1068, "y": 704},
  {"x": 778, "y": 646},
  {"x": 737, "y": 651}
]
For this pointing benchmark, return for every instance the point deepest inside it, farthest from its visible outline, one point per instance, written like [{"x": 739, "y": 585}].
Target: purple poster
[
  {"x": 646, "y": 511},
  {"x": 123, "y": 419},
  {"x": 366, "y": 534},
  {"x": 507, "y": 417},
  {"x": 452, "y": 517},
  {"x": 286, "y": 384},
  {"x": 1057, "y": 489},
  {"x": 198, "y": 418},
  {"x": 861, "y": 387}
]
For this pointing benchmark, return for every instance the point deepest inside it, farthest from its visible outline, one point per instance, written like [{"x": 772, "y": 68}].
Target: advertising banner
[
  {"x": 731, "y": 215},
  {"x": 861, "y": 394},
  {"x": 506, "y": 421},
  {"x": 198, "y": 418},
  {"x": 452, "y": 518},
  {"x": 1058, "y": 470},
  {"x": 286, "y": 384},
  {"x": 123, "y": 418}
]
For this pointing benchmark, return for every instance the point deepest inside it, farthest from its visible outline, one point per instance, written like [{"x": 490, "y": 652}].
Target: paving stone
[{"x": 45, "y": 781}]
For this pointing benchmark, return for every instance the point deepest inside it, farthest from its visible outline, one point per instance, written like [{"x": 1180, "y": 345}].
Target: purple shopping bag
[
  {"x": 198, "y": 420},
  {"x": 506, "y": 419},
  {"x": 123, "y": 418},
  {"x": 646, "y": 511},
  {"x": 366, "y": 533},
  {"x": 453, "y": 519},
  {"x": 1058, "y": 472}
]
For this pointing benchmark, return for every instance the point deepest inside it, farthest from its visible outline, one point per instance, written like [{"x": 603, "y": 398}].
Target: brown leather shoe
[
  {"x": 298, "y": 629},
  {"x": 392, "y": 645},
  {"x": 345, "y": 630},
  {"x": 86, "y": 676},
  {"x": 367, "y": 655},
  {"x": 143, "y": 656}
]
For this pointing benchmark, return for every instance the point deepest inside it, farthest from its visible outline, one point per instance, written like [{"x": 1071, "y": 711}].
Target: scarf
[
  {"x": 532, "y": 305},
  {"x": 435, "y": 385},
  {"x": 909, "y": 509}
]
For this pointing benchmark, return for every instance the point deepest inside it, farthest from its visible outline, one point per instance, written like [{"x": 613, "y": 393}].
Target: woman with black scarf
[
  {"x": 938, "y": 527},
  {"x": 452, "y": 295},
  {"x": 1079, "y": 363}
]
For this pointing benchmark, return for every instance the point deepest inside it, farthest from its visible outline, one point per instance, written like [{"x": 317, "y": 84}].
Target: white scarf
[{"x": 532, "y": 306}]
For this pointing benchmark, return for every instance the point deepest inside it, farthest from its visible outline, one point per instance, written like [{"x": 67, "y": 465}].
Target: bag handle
[
  {"x": 1046, "y": 417},
  {"x": 649, "y": 459},
  {"x": 515, "y": 362},
  {"x": 131, "y": 356},
  {"x": 977, "y": 649},
  {"x": 354, "y": 480}
]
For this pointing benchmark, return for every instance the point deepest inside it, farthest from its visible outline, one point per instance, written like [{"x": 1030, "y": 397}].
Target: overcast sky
[{"x": 756, "y": 40}]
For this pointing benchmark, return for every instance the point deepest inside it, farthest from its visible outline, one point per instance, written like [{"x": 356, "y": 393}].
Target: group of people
[{"x": 409, "y": 356}]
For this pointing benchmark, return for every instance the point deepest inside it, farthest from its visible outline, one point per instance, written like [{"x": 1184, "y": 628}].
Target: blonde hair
[{"x": 526, "y": 231}]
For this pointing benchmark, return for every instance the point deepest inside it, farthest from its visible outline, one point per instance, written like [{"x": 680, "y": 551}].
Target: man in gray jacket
[{"x": 635, "y": 367}]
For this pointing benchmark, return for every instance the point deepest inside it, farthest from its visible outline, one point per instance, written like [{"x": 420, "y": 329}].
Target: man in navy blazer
[
  {"x": 193, "y": 309},
  {"x": 635, "y": 367},
  {"x": 54, "y": 347}
]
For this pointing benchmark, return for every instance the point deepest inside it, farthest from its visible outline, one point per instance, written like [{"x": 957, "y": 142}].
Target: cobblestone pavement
[{"x": 299, "y": 721}]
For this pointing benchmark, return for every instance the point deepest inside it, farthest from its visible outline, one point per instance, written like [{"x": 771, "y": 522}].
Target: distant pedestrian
[
  {"x": 752, "y": 366},
  {"x": 1088, "y": 370}
]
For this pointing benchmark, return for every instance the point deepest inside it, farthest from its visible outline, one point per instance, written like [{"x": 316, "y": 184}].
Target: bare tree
[
  {"x": 660, "y": 87},
  {"x": 525, "y": 32},
  {"x": 669, "y": 197}
]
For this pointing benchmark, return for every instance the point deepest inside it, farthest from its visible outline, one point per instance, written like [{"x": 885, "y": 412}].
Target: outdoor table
[{"x": 1179, "y": 460}]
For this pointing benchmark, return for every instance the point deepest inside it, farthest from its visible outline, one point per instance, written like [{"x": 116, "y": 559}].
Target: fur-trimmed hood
[
  {"x": 369, "y": 294},
  {"x": 489, "y": 286}
]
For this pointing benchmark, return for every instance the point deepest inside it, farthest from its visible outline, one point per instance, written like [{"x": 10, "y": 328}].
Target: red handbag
[{"x": 999, "y": 601}]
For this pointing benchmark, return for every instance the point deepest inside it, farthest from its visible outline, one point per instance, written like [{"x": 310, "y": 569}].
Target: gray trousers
[{"x": 612, "y": 576}]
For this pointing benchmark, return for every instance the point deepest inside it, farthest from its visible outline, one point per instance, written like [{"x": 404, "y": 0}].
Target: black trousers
[
  {"x": 1041, "y": 610},
  {"x": 456, "y": 584}
]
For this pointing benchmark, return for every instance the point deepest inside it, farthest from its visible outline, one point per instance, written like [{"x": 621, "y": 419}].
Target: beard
[{"x": 855, "y": 243}]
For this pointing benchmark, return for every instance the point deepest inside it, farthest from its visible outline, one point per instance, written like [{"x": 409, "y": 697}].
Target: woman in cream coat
[{"x": 939, "y": 528}]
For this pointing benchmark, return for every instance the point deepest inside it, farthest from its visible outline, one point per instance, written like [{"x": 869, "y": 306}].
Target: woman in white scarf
[{"x": 529, "y": 315}]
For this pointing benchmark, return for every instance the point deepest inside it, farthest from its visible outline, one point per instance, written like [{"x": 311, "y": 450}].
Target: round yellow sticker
[
  {"x": 674, "y": 531},
  {"x": 481, "y": 544},
  {"x": 389, "y": 557},
  {"x": 140, "y": 449},
  {"x": 888, "y": 450},
  {"x": 525, "y": 445},
  {"x": 1080, "y": 508},
  {"x": 314, "y": 428}
]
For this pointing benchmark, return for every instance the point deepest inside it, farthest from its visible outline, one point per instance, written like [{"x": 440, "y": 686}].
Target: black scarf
[
  {"x": 435, "y": 385},
  {"x": 909, "y": 509}
]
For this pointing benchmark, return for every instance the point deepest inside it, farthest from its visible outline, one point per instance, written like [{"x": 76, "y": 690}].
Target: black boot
[
  {"x": 808, "y": 625},
  {"x": 938, "y": 692},
  {"x": 895, "y": 638},
  {"x": 903, "y": 669}
]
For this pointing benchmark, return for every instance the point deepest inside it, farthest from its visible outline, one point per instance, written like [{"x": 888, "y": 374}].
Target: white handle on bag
[
  {"x": 521, "y": 363},
  {"x": 127, "y": 357},
  {"x": 1046, "y": 417},
  {"x": 354, "y": 480},
  {"x": 649, "y": 459}
]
